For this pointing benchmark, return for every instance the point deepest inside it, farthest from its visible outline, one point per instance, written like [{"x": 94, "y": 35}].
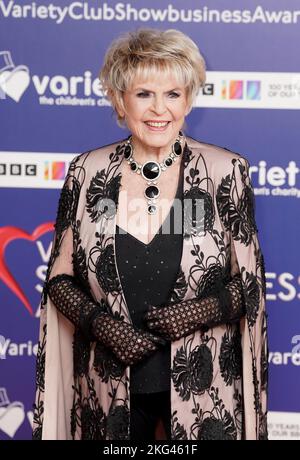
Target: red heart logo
[{"x": 8, "y": 234}]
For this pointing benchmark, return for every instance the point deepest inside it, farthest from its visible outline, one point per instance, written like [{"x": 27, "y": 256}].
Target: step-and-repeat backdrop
[{"x": 51, "y": 108}]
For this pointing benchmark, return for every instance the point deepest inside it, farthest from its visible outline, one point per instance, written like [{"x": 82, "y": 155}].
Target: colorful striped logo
[
  {"x": 236, "y": 89},
  {"x": 254, "y": 90},
  {"x": 55, "y": 170}
]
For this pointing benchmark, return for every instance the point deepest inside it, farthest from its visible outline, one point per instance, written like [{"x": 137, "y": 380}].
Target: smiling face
[{"x": 155, "y": 110}]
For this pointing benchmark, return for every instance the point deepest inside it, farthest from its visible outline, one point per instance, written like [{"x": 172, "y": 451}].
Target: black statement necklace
[{"x": 151, "y": 170}]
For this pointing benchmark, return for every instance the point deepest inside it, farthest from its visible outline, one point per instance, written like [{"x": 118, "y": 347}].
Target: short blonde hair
[{"x": 139, "y": 53}]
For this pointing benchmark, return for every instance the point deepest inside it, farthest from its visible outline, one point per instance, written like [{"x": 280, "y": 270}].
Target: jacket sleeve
[
  {"x": 60, "y": 262},
  {"x": 237, "y": 210}
]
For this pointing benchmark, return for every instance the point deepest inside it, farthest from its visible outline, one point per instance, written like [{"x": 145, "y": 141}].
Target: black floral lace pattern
[
  {"x": 252, "y": 294},
  {"x": 180, "y": 288},
  {"x": 213, "y": 429},
  {"x": 38, "y": 406},
  {"x": 87, "y": 413},
  {"x": 65, "y": 210},
  {"x": 199, "y": 210},
  {"x": 106, "y": 271},
  {"x": 212, "y": 277},
  {"x": 118, "y": 422},
  {"x": 106, "y": 363},
  {"x": 239, "y": 219},
  {"x": 192, "y": 373},
  {"x": 101, "y": 196},
  {"x": 230, "y": 357},
  {"x": 81, "y": 354},
  {"x": 79, "y": 260},
  {"x": 178, "y": 431}
]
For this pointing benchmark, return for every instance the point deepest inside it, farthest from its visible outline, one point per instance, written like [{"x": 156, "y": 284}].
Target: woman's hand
[
  {"x": 127, "y": 343},
  {"x": 177, "y": 320}
]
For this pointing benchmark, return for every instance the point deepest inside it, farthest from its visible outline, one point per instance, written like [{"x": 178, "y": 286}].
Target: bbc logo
[{"x": 17, "y": 169}]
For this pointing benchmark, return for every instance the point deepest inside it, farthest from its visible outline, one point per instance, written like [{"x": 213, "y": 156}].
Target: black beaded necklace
[{"x": 151, "y": 170}]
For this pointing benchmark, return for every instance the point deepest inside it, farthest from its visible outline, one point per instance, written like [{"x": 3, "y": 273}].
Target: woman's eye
[
  {"x": 174, "y": 95},
  {"x": 143, "y": 94}
]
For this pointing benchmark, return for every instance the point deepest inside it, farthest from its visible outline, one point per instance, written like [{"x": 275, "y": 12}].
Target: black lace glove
[
  {"x": 130, "y": 345},
  {"x": 96, "y": 323},
  {"x": 180, "y": 319}
]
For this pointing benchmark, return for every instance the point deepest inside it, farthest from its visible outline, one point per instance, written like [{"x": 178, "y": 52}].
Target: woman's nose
[{"x": 159, "y": 105}]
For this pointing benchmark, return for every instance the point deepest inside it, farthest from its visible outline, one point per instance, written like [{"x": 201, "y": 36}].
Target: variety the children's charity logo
[
  {"x": 7, "y": 235},
  {"x": 53, "y": 90},
  {"x": 13, "y": 80}
]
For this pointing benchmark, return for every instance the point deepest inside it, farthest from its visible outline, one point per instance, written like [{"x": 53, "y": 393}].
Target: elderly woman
[{"x": 153, "y": 308}]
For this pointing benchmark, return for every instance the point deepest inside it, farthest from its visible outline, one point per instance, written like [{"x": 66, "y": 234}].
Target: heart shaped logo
[
  {"x": 15, "y": 82},
  {"x": 11, "y": 418},
  {"x": 7, "y": 235}
]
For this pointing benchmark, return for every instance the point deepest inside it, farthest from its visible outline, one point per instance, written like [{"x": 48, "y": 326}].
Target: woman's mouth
[{"x": 157, "y": 125}]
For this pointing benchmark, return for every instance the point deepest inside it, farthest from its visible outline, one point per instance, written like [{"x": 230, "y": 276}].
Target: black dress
[{"x": 148, "y": 273}]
